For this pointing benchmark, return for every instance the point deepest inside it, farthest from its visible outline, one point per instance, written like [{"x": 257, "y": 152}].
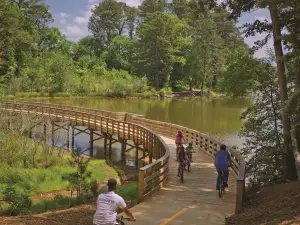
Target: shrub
[{"x": 18, "y": 200}]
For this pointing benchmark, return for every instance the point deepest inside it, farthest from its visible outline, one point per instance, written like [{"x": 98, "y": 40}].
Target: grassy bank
[
  {"x": 59, "y": 202},
  {"x": 43, "y": 180}
]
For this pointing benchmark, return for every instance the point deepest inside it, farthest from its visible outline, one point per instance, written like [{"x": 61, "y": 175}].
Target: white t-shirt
[{"x": 107, "y": 205}]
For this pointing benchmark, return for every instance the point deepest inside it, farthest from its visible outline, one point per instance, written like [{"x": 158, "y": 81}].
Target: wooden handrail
[{"x": 156, "y": 147}]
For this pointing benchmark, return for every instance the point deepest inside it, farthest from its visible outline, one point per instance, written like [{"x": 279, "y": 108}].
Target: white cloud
[
  {"x": 134, "y": 3},
  {"x": 81, "y": 20},
  {"x": 63, "y": 21},
  {"x": 63, "y": 15},
  {"x": 74, "y": 32}
]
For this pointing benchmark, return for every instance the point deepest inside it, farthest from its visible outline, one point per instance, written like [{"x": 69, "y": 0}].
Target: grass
[
  {"x": 129, "y": 192},
  {"x": 43, "y": 180}
]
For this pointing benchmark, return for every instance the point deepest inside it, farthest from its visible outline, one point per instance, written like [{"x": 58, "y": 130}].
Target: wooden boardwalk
[{"x": 194, "y": 202}]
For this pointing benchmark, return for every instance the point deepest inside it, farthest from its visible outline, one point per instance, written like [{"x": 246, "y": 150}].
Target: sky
[{"x": 72, "y": 16}]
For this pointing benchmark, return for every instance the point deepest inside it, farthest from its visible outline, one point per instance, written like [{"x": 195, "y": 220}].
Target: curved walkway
[{"x": 194, "y": 202}]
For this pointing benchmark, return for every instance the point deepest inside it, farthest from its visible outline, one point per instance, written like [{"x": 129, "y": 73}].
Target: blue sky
[{"x": 71, "y": 16}]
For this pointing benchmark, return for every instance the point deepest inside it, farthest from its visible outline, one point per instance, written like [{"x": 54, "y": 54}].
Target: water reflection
[{"x": 216, "y": 117}]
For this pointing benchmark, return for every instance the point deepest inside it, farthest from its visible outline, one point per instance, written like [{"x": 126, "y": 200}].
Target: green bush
[
  {"x": 58, "y": 202},
  {"x": 165, "y": 91},
  {"x": 129, "y": 191},
  {"x": 61, "y": 94},
  {"x": 17, "y": 199},
  {"x": 27, "y": 94}
]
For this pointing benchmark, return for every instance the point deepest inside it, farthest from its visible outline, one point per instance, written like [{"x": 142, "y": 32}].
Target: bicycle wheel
[
  {"x": 181, "y": 173},
  {"x": 221, "y": 185},
  {"x": 120, "y": 222},
  {"x": 189, "y": 166}
]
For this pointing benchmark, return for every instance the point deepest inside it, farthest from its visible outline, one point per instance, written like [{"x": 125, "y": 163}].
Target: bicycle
[
  {"x": 181, "y": 169},
  {"x": 188, "y": 164},
  {"x": 121, "y": 219},
  {"x": 221, "y": 183}
]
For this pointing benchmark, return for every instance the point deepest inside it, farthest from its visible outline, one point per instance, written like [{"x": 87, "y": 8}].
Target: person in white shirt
[{"x": 109, "y": 204}]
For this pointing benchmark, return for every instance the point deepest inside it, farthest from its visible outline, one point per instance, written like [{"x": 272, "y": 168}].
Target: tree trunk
[
  {"x": 290, "y": 171},
  {"x": 297, "y": 119}
]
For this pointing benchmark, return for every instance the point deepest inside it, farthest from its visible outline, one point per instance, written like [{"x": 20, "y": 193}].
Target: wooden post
[
  {"x": 105, "y": 145},
  {"x": 144, "y": 156},
  {"x": 8, "y": 124},
  {"x": 240, "y": 195},
  {"x": 73, "y": 138},
  {"x": 52, "y": 135},
  {"x": 68, "y": 137},
  {"x": 91, "y": 142},
  {"x": 45, "y": 134},
  {"x": 123, "y": 151},
  {"x": 141, "y": 185},
  {"x": 110, "y": 146},
  {"x": 136, "y": 156},
  {"x": 240, "y": 187}
]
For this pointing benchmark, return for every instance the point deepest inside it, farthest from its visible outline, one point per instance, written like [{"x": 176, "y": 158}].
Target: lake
[{"x": 219, "y": 117}]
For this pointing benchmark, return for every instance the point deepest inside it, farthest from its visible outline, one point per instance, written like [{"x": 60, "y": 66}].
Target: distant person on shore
[{"x": 109, "y": 204}]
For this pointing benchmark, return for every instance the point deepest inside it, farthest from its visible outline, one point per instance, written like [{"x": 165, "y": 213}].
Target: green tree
[
  {"x": 179, "y": 8},
  {"x": 160, "y": 38},
  {"x": 274, "y": 29},
  {"x": 131, "y": 20},
  {"x": 107, "y": 21},
  {"x": 151, "y": 6},
  {"x": 204, "y": 54}
]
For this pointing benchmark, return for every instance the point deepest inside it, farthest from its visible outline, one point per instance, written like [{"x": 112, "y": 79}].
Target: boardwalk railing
[
  {"x": 202, "y": 141},
  {"x": 137, "y": 128},
  {"x": 151, "y": 177}
]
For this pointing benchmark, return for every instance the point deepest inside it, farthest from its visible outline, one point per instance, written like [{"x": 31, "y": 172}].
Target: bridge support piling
[
  {"x": 136, "y": 156},
  {"x": 91, "y": 142},
  {"x": 110, "y": 146},
  {"x": 52, "y": 135},
  {"x": 123, "y": 151},
  {"x": 68, "y": 137},
  {"x": 45, "y": 133},
  {"x": 73, "y": 138},
  {"x": 105, "y": 145}
]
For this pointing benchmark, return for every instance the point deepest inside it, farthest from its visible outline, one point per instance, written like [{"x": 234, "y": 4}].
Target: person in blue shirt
[{"x": 222, "y": 163}]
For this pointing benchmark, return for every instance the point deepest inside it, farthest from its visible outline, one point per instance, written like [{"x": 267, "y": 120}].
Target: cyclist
[
  {"x": 178, "y": 140},
  {"x": 180, "y": 157},
  {"x": 109, "y": 204},
  {"x": 189, "y": 151},
  {"x": 222, "y": 163}
]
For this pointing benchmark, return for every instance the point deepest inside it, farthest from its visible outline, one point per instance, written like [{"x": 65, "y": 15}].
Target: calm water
[{"x": 217, "y": 117}]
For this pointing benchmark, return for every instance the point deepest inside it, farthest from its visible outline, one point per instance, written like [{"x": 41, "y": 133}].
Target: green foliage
[
  {"x": 17, "y": 199},
  {"x": 129, "y": 191},
  {"x": 161, "y": 38},
  {"x": 81, "y": 179},
  {"x": 57, "y": 203}
]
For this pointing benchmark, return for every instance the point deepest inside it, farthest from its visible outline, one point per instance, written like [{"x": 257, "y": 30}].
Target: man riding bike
[
  {"x": 222, "y": 163},
  {"x": 109, "y": 205}
]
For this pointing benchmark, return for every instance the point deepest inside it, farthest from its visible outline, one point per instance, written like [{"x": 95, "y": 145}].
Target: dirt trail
[{"x": 274, "y": 205}]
